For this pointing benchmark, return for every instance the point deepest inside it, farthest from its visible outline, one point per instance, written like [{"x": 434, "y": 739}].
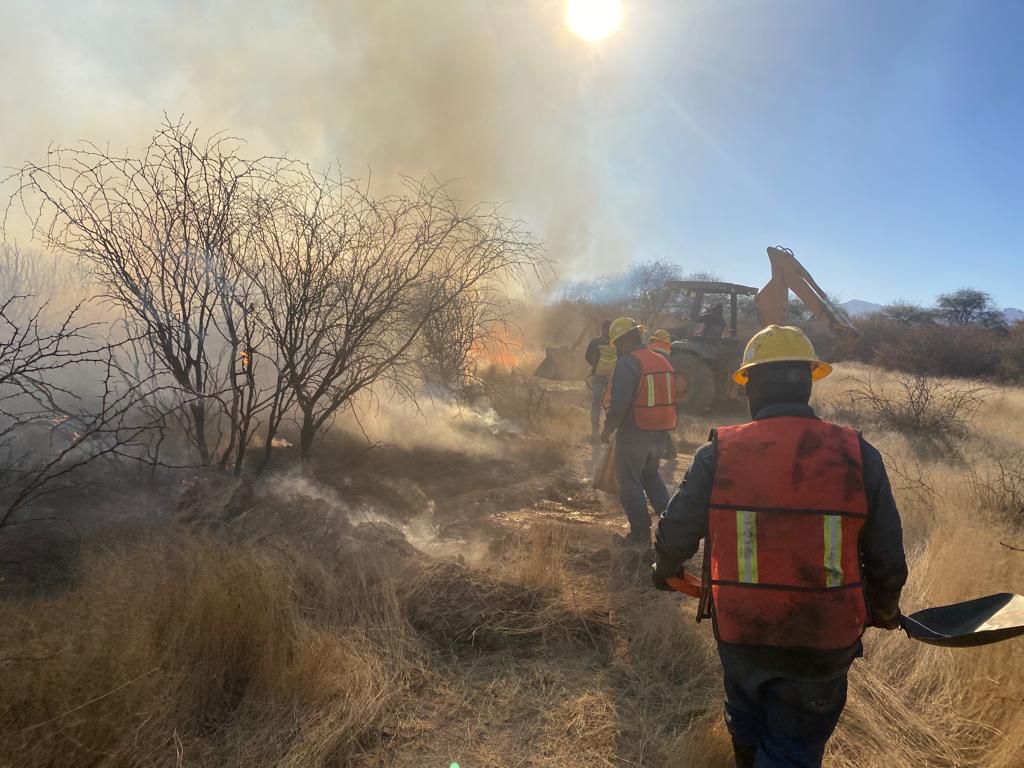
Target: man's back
[
  {"x": 786, "y": 513},
  {"x": 804, "y": 547},
  {"x": 686, "y": 520}
]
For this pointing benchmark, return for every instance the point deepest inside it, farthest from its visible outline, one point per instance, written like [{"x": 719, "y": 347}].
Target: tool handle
[{"x": 686, "y": 583}]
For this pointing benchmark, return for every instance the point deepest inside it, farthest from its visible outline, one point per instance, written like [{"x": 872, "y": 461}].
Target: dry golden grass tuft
[
  {"x": 581, "y": 730},
  {"x": 912, "y": 704},
  {"x": 190, "y": 651}
]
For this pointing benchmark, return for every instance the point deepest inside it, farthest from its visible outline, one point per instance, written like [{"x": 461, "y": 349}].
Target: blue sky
[{"x": 879, "y": 140}]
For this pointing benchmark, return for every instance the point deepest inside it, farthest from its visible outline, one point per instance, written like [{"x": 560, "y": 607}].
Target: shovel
[{"x": 981, "y": 621}]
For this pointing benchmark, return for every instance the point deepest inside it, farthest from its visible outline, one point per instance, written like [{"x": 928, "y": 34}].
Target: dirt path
[{"x": 592, "y": 684}]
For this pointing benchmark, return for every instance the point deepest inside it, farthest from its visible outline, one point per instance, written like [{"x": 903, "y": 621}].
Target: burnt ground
[{"x": 444, "y": 498}]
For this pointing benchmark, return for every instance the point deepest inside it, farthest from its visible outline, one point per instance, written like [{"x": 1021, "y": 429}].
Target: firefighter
[
  {"x": 601, "y": 356},
  {"x": 661, "y": 342},
  {"x": 641, "y": 409},
  {"x": 803, "y": 550}
]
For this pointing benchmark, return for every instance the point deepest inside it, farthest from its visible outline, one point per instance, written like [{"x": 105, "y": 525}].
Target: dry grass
[
  {"x": 195, "y": 649},
  {"x": 189, "y": 651},
  {"x": 911, "y": 704}
]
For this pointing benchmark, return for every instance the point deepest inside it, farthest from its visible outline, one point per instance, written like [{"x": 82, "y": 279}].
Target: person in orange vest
[
  {"x": 661, "y": 342},
  {"x": 600, "y": 356},
  {"x": 641, "y": 411},
  {"x": 803, "y": 549}
]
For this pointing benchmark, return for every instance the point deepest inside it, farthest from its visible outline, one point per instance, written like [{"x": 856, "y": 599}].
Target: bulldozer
[{"x": 707, "y": 346}]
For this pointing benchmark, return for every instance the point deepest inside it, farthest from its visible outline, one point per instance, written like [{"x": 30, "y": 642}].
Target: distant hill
[{"x": 855, "y": 307}]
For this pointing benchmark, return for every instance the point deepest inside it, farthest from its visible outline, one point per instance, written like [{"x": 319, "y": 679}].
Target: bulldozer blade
[
  {"x": 974, "y": 622},
  {"x": 562, "y": 364}
]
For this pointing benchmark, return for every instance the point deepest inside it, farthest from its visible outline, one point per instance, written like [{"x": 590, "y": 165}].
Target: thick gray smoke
[{"x": 495, "y": 95}]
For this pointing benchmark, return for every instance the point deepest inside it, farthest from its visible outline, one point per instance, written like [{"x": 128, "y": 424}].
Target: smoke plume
[{"x": 495, "y": 96}]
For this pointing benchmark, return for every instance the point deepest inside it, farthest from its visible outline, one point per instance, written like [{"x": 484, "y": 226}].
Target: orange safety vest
[
  {"x": 787, "y": 509},
  {"x": 654, "y": 404},
  {"x": 663, "y": 347}
]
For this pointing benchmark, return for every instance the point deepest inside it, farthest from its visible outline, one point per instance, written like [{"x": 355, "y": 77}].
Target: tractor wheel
[{"x": 695, "y": 384}]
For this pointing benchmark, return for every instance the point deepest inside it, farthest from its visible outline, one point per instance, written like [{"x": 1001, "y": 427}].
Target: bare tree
[
  {"x": 50, "y": 280},
  {"x": 969, "y": 306},
  {"x": 465, "y": 333},
  {"x": 255, "y": 291},
  {"x": 646, "y": 282},
  {"x": 350, "y": 284},
  {"x": 638, "y": 290},
  {"x": 908, "y": 313},
  {"x": 47, "y": 430},
  {"x": 161, "y": 233}
]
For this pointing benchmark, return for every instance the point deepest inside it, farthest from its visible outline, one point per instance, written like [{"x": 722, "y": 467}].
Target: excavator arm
[{"x": 788, "y": 274}]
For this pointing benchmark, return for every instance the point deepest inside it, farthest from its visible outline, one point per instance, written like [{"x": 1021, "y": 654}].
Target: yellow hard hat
[
  {"x": 621, "y": 326},
  {"x": 780, "y": 344},
  {"x": 661, "y": 335}
]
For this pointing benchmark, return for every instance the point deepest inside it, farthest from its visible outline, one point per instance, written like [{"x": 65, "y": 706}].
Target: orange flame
[{"x": 504, "y": 348}]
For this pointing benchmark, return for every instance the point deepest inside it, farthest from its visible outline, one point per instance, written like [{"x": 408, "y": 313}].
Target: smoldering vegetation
[
  {"x": 270, "y": 554},
  {"x": 247, "y": 294}
]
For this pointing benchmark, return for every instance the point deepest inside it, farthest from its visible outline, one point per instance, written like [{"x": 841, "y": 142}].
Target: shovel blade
[{"x": 984, "y": 620}]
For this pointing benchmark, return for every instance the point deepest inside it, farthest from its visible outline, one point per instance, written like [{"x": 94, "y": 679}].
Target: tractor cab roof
[{"x": 710, "y": 286}]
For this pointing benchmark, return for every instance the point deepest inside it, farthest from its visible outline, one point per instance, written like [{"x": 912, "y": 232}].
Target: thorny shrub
[
  {"x": 967, "y": 352},
  {"x": 517, "y": 397},
  {"x": 919, "y": 405},
  {"x": 930, "y": 349},
  {"x": 998, "y": 485}
]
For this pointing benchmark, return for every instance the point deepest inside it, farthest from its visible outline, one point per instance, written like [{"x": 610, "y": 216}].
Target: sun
[{"x": 593, "y": 20}]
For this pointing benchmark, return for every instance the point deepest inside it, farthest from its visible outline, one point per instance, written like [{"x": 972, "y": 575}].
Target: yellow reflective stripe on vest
[
  {"x": 670, "y": 388},
  {"x": 746, "y": 546},
  {"x": 833, "y": 551},
  {"x": 651, "y": 400}
]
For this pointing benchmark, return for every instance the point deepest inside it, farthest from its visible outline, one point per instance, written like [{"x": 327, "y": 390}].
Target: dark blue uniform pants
[
  {"x": 781, "y": 722},
  {"x": 639, "y": 454}
]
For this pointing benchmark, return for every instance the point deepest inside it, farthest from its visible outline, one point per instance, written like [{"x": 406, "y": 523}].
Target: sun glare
[{"x": 593, "y": 20}]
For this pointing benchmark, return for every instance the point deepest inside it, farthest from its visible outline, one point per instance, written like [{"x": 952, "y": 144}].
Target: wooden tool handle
[{"x": 686, "y": 583}]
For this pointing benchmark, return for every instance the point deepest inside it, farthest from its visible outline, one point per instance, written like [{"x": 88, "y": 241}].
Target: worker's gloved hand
[
  {"x": 660, "y": 582},
  {"x": 606, "y": 436},
  {"x": 889, "y": 619}
]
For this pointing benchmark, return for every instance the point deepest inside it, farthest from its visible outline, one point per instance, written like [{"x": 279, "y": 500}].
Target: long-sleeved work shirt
[
  {"x": 593, "y": 352},
  {"x": 884, "y": 568}
]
